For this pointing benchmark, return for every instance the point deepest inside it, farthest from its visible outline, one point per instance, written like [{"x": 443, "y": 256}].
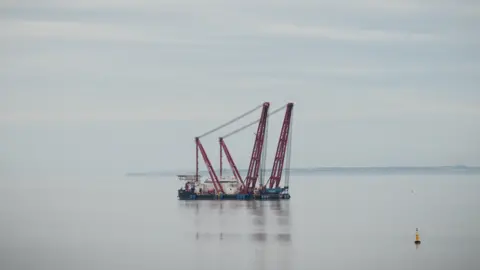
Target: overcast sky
[{"x": 125, "y": 85}]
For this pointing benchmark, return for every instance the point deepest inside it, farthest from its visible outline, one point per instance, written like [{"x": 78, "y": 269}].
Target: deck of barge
[{"x": 188, "y": 195}]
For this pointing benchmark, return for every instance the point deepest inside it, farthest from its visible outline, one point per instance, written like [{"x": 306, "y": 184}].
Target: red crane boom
[
  {"x": 235, "y": 171},
  {"x": 281, "y": 149},
  {"x": 255, "y": 160},
  {"x": 211, "y": 171}
]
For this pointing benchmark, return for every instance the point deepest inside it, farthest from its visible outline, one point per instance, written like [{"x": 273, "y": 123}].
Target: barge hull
[{"x": 185, "y": 195}]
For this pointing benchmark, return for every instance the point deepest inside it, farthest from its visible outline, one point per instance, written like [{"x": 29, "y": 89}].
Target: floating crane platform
[
  {"x": 236, "y": 188},
  {"x": 188, "y": 195},
  {"x": 196, "y": 190}
]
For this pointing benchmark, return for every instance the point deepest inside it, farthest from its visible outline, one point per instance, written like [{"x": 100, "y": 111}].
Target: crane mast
[
  {"x": 253, "y": 168},
  {"x": 283, "y": 140},
  {"x": 236, "y": 173},
  {"x": 211, "y": 171}
]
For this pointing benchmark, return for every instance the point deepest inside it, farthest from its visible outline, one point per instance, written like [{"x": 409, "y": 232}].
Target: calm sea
[{"x": 332, "y": 222}]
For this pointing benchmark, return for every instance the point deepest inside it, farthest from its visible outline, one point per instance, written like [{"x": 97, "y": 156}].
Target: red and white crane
[
  {"x": 216, "y": 183},
  {"x": 258, "y": 151},
  {"x": 224, "y": 148},
  {"x": 254, "y": 167},
  {"x": 284, "y": 140},
  {"x": 199, "y": 148},
  {"x": 236, "y": 173}
]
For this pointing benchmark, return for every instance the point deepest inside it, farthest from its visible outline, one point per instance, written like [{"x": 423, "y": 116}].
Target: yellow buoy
[{"x": 417, "y": 237}]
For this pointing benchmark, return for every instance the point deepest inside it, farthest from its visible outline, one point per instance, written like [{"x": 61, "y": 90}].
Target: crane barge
[{"x": 234, "y": 187}]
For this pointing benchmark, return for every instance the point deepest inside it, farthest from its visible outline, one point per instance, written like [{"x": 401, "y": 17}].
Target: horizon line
[{"x": 330, "y": 167}]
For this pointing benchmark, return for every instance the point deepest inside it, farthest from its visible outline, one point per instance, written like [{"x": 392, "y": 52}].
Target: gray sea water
[{"x": 332, "y": 222}]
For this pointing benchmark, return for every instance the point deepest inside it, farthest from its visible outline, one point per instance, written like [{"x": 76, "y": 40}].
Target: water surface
[{"x": 331, "y": 222}]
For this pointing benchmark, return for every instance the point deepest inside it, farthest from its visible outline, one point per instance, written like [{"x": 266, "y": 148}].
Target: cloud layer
[{"x": 415, "y": 63}]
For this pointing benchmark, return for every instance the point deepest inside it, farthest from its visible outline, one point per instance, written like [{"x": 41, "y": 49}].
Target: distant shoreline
[{"x": 458, "y": 169}]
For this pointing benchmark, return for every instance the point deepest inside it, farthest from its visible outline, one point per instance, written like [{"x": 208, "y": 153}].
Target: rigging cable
[
  {"x": 250, "y": 124},
  {"x": 231, "y": 121}
]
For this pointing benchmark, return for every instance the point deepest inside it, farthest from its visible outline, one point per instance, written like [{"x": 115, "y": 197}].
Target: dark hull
[{"x": 187, "y": 195}]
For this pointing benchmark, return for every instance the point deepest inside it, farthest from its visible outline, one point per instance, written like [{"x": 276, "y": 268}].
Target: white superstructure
[{"x": 229, "y": 183}]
